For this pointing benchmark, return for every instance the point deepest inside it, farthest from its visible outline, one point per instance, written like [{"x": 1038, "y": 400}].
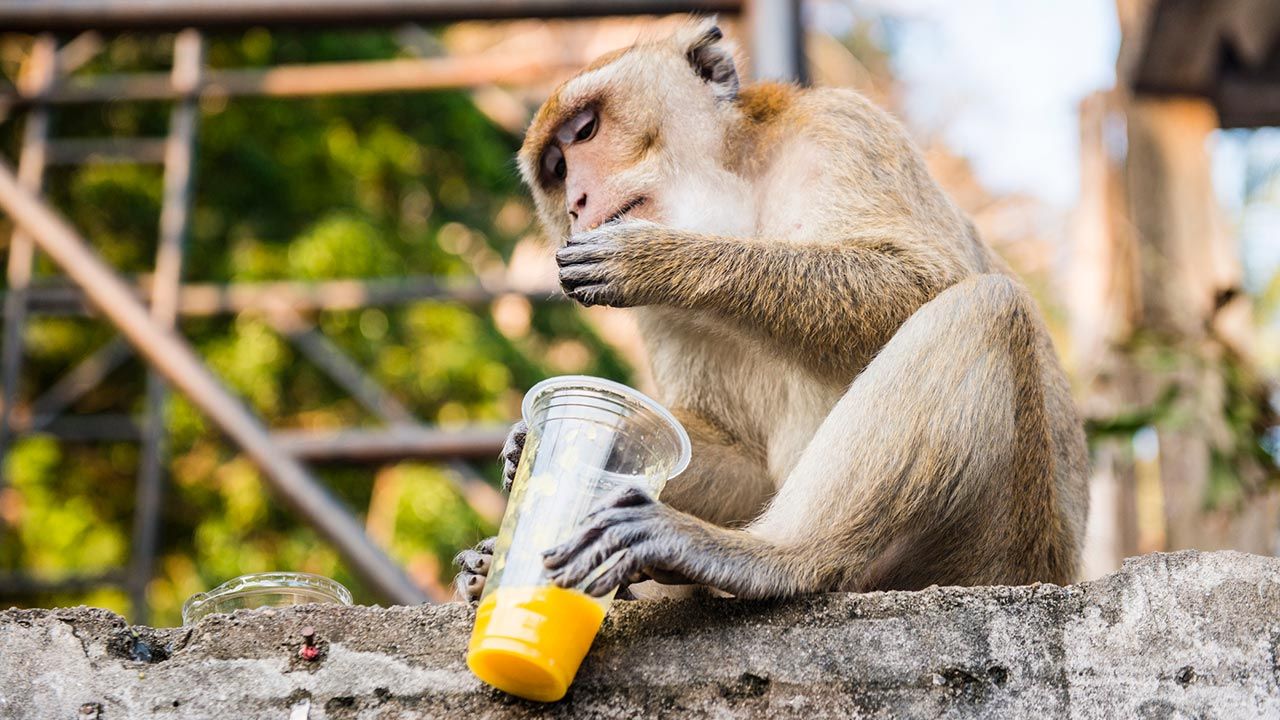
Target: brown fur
[{"x": 874, "y": 402}]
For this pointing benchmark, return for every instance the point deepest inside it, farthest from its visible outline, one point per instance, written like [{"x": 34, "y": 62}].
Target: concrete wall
[{"x": 1184, "y": 635}]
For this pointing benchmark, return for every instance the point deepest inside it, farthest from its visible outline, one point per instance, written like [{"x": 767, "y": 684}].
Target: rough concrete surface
[{"x": 1183, "y": 635}]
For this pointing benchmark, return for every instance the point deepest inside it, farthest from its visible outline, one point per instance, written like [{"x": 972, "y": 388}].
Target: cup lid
[{"x": 318, "y": 587}]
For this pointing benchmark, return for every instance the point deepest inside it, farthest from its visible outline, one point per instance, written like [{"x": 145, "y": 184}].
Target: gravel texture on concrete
[{"x": 1181, "y": 635}]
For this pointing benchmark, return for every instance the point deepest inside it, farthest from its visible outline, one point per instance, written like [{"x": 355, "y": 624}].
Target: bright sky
[{"x": 1000, "y": 78}]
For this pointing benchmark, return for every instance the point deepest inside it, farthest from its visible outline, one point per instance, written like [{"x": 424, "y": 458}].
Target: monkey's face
[{"x": 615, "y": 141}]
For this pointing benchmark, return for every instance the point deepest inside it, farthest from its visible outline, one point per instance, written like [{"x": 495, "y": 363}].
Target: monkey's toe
[
  {"x": 469, "y": 586},
  {"x": 473, "y": 569}
]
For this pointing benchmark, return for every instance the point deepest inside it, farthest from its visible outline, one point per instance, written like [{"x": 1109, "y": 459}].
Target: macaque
[{"x": 874, "y": 401}]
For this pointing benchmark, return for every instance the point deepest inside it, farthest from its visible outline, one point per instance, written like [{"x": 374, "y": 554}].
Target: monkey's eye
[
  {"x": 586, "y": 132},
  {"x": 553, "y": 164},
  {"x": 580, "y": 129}
]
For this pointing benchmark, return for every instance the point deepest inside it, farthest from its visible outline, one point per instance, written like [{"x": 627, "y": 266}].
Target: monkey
[{"x": 873, "y": 398}]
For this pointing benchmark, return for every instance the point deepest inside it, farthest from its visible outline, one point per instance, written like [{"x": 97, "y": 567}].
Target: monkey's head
[{"x": 628, "y": 134}]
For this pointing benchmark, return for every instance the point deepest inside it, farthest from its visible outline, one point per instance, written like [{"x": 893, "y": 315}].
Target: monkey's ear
[{"x": 712, "y": 58}]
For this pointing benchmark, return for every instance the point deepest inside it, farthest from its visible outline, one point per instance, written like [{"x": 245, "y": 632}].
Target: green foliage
[
  {"x": 1242, "y": 463},
  {"x": 308, "y": 189}
]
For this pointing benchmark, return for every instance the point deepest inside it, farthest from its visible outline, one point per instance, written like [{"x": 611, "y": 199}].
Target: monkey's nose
[{"x": 578, "y": 205}]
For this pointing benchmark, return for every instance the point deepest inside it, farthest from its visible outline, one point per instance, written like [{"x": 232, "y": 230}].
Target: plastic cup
[
  {"x": 587, "y": 437},
  {"x": 273, "y": 589}
]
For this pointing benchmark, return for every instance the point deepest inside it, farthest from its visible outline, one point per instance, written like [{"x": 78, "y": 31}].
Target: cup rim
[{"x": 589, "y": 382}]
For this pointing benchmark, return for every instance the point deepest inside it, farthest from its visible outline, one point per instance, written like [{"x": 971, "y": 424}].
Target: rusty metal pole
[
  {"x": 41, "y": 71},
  {"x": 173, "y": 359},
  {"x": 175, "y": 212}
]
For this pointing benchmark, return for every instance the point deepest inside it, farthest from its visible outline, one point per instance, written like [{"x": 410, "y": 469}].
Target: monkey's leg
[
  {"x": 727, "y": 481},
  {"x": 934, "y": 467}
]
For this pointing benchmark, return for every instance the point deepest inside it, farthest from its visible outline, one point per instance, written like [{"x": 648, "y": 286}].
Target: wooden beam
[
  {"x": 65, "y": 15},
  {"x": 306, "y": 80},
  {"x": 177, "y": 362}
]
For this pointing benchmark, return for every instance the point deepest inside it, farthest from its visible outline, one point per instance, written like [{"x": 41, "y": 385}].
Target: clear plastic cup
[
  {"x": 587, "y": 437},
  {"x": 271, "y": 589}
]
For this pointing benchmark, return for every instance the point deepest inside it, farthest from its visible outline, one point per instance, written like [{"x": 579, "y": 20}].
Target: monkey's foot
[
  {"x": 473, "y": 569},
  {"x": 649, "y": 539},
  {"x": 511, "y": 450}
]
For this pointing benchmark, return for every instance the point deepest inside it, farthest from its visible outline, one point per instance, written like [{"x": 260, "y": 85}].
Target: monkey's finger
[
  {"x": 474, "y": 561},
  {"x": 512, "y": 448},
  {"x": 556, "y": 557},
  {"x": 581, "y": 565},
  {"x": 590, "y": 295},
  {"x": 629, "y": 496},
  {"x": 487, "y": 545},
  {"x": 508, "y": 475},
  {"x": 584, "y": 252},
  {"x": 469, "y": 586},
  {"x": 514, "y": 444},
  {"x": 586, "y": 561},
  {"x": 614, "y": 576},
  {"x": 572, "y": 276},
  {"x": 606, "y": 516},
  {"x": 597, "y": 523}
]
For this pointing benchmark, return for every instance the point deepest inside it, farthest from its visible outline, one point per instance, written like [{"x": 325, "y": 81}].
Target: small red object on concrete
[{"x": 309, "y": 650}]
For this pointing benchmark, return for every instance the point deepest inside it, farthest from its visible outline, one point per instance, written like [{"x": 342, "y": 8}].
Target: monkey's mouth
[{"x": 626, "y": 208}]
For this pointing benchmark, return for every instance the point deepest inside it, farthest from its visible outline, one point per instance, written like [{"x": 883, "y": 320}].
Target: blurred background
[{"x": 321, "y": 199}]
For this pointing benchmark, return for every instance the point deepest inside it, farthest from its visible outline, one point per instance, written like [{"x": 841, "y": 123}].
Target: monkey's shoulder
[{"x": 771, "y": 103}]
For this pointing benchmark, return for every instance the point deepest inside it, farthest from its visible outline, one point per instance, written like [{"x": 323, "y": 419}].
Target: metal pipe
[
  {"x": 339, "y": 366},
  {"x": 35, "y": 15},
  {"x": 170, "y": 356},
  {"x": 206, "y": 299},
  {"x": 777, "y": 40},
  {"x": 16, "y": 584},
  {"x": 85, "y": 376},
  {"x": 103, "y": 427},
  {"x": 74, "y": 151},
  {"x": 175, "y": 211},
  {"x": 393, "y": 443}
]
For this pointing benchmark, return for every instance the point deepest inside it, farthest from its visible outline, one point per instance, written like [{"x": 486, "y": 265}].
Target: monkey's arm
[{"x": 830, "y": 304}]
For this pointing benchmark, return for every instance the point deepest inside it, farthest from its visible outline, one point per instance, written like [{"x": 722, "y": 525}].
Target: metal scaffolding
[{"x": 145, "y": 312}]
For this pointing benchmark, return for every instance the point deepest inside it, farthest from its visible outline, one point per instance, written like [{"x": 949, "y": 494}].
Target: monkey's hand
[
  {"x": 610, "y": 265},
  {"x": 511, "y": 450},
  {"x": 650, "y": 539},
  {"x": 473, "y": 568}
]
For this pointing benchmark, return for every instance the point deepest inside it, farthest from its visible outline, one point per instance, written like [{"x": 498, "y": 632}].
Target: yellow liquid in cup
[{"x": 529, "y": 641}]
